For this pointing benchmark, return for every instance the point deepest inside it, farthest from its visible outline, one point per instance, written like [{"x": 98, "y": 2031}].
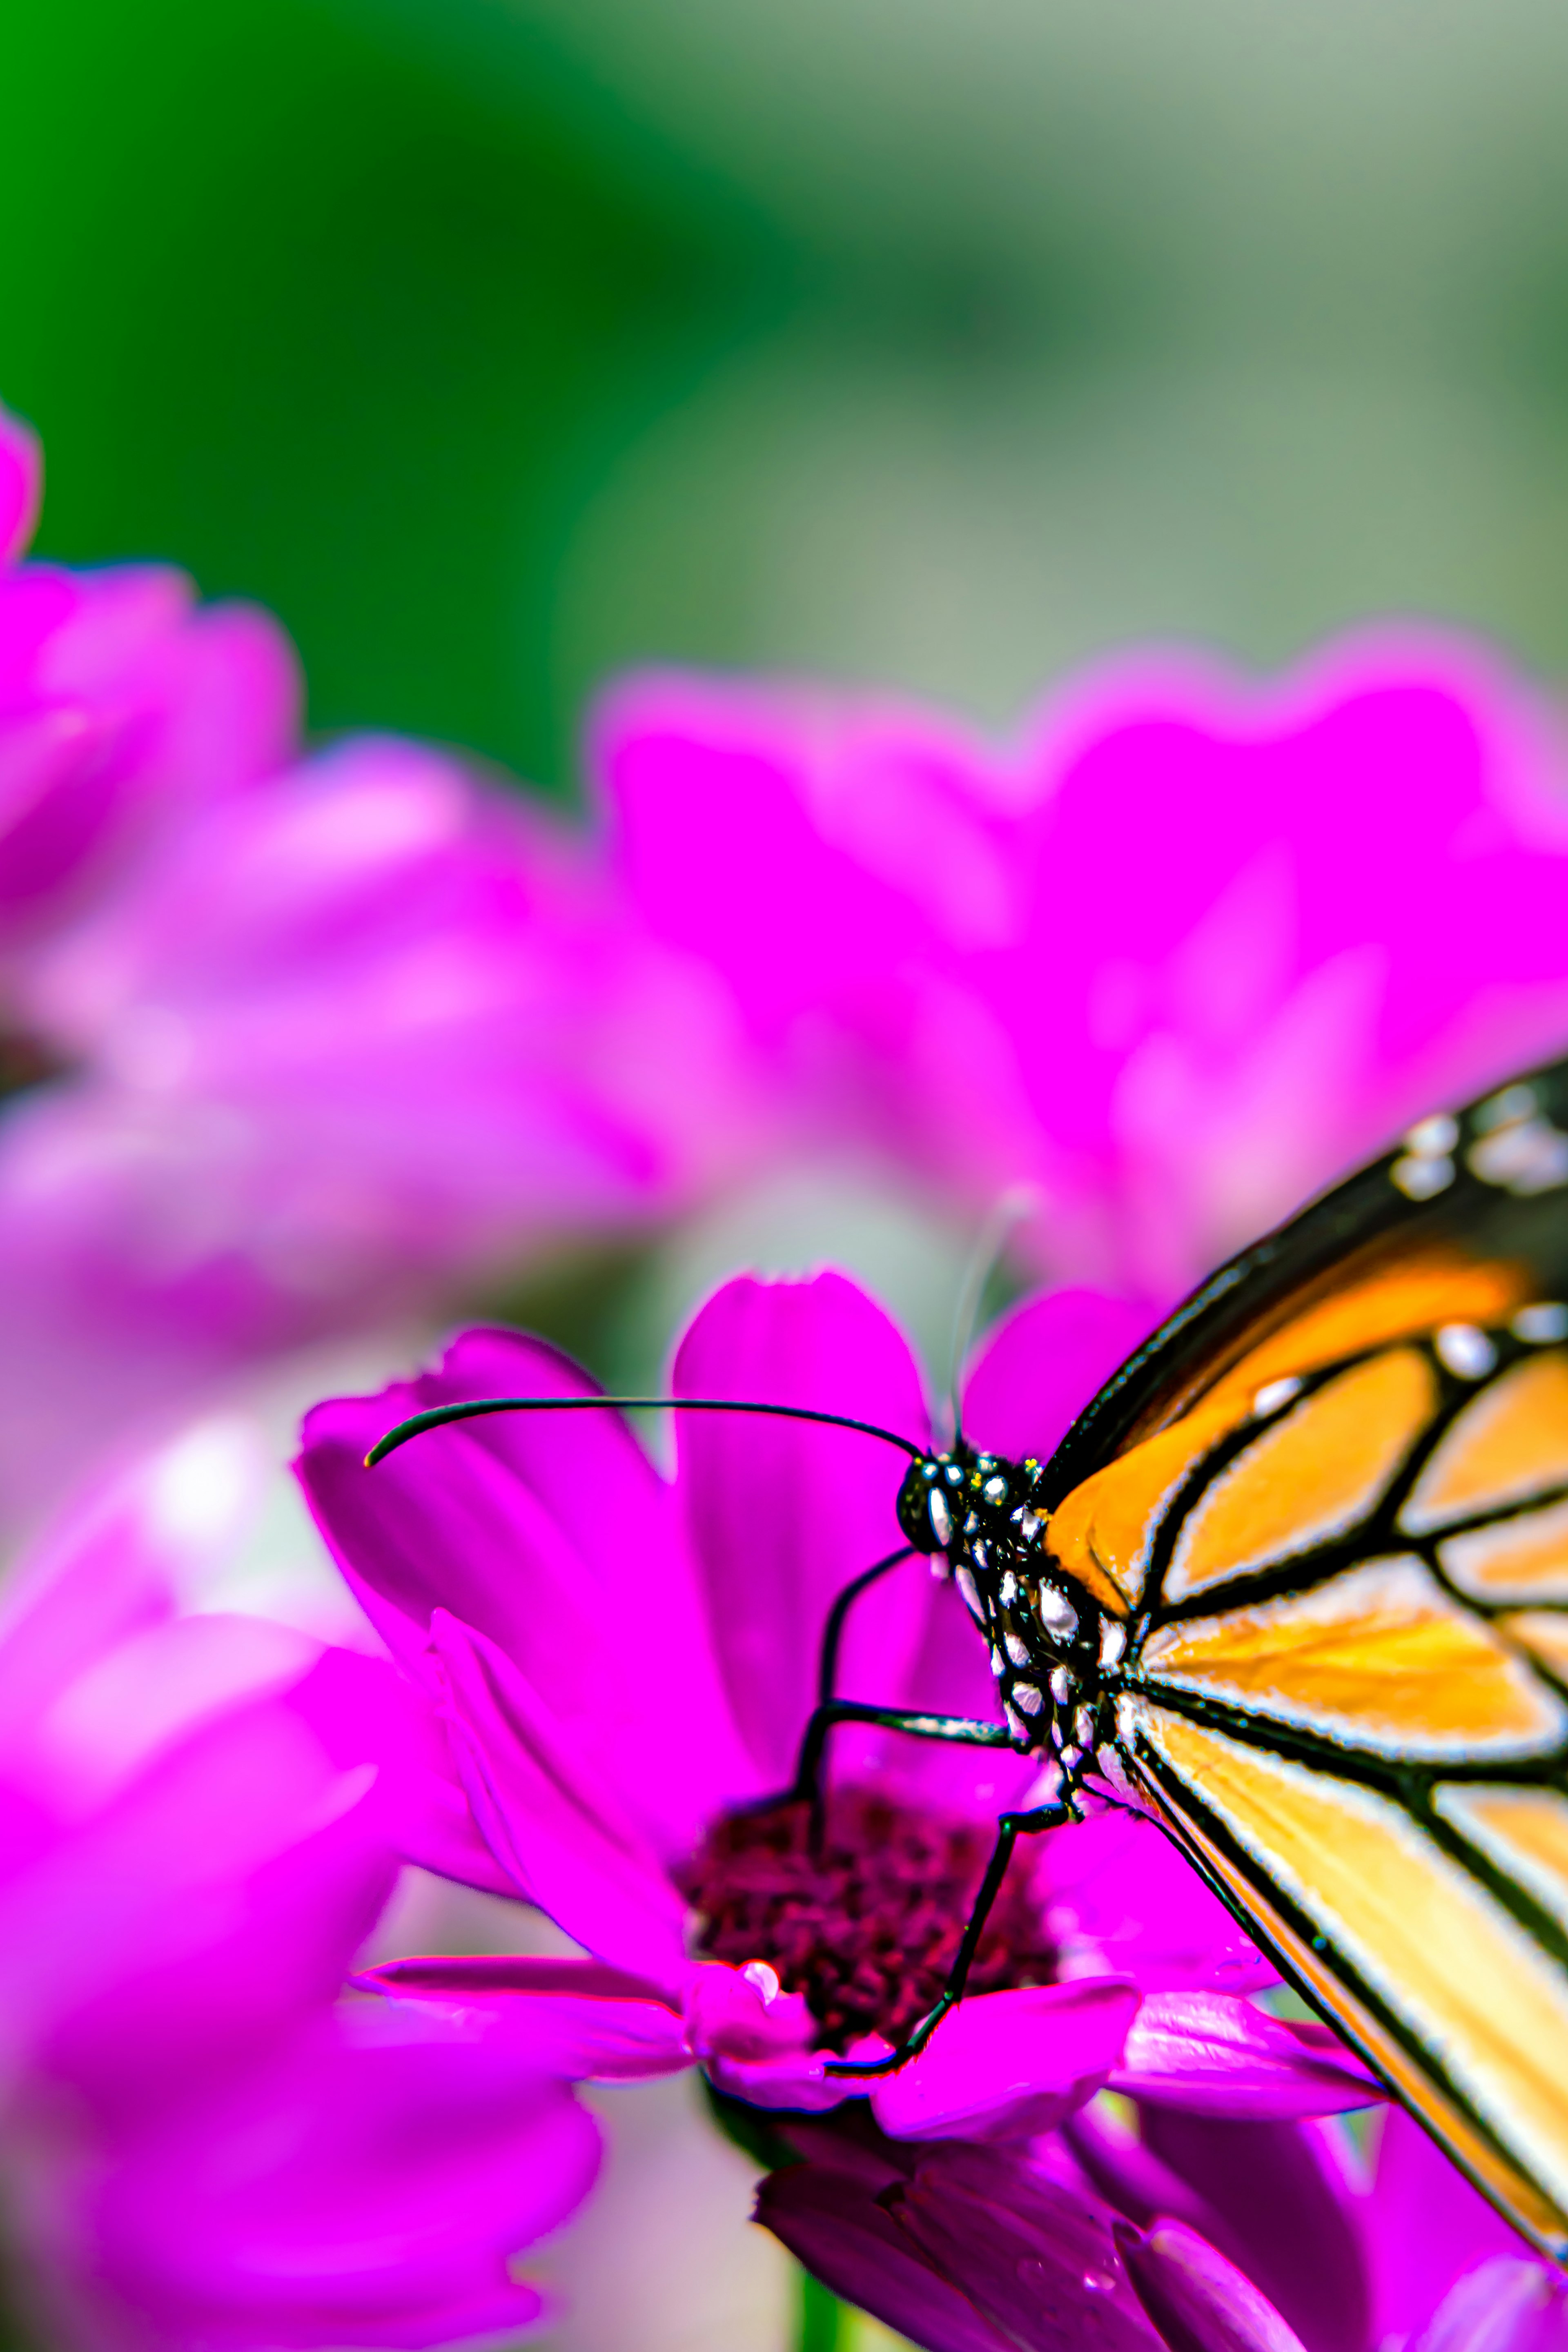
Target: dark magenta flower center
[{"x": 867, "y": 1927}]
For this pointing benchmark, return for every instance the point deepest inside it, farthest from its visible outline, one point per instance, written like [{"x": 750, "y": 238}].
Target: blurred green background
[{"x": 944, "y": 342}]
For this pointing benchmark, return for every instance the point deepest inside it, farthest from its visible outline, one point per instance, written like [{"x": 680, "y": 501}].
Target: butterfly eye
[{"x": 941, "y": 1517}]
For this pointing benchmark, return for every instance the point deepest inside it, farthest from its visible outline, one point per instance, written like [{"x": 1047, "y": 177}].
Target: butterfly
[
  {"x": 1296, "y": 1583},
  {"x": 1328, "y": 1501}
]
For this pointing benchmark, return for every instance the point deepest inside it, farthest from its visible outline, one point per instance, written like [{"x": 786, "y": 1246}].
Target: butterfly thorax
[{"x": 1054, "y": 1649}]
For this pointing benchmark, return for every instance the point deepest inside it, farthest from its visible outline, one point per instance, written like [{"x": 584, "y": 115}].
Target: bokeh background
[{"x": 496, "y": 344}]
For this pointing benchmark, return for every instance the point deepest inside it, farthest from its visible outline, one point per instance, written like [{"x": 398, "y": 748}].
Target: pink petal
[
  {"x": 782, "y": 1515},
  {"x": 1426, "y": 2227},
  {"x": 438, "y": 1524},
  {"x": 1043, "y": 1363},
  {"x": 1198, "y": 2300},
  {"x": 1113, "y": 2160},
  {"x": 1007, "y": 2065},
  {"x": 1277, "y": 2207},
  {"x": 100, "y": 1579},
  {"x": 540, "y": 1530},
  {"x": 796, "y": 2082},
  {"x": 21, "y": 485},
  {"x": 744, "y": 2013},
  {"x": 1034, "y": 2254},
  {"x": 1213, "y": 2054},
  {"x": 354, "y": 1037},
  {"x": 370, "y": 2188},
  {"x": 1505, "y": 2305},
  {"x": 429, "y": 1808},
  {"x": 834, "y": 2225},
  {"x": 541, "y": 1799},
  {"x": 949, "y": 1674},
  {"x": 572, "y": 2019},
  {"x": 746, "y": 834},
  {"x": 214, "y": 1904},
  {"x": 755, "y": 2040},
  {"x": 1337, "y": 901},
  {"x": 1123, "y": 1898}
]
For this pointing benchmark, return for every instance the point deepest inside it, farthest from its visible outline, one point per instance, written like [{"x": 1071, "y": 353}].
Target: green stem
[{"x": 824, "y": 2322}]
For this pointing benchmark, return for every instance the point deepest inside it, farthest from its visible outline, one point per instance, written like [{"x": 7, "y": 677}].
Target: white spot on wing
[
  {"x": 1523, "y": 1156},
  {"x": 1056, "y": 1614},
  {"x": 1508, "y": 1108},
  {"x": 1539, "y": 1325},
  {"x": 1465, "y": 1350},
  {"x": 1421, "y": 1180}
]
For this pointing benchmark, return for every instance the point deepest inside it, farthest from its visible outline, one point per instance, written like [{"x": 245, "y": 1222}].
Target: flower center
[{"x": 868, "y": 1926}]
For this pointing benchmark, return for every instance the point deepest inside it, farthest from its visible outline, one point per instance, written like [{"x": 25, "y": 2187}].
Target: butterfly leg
[
  {"x": 1009, "y": 1829},
  {"x": 833, "y": 1629},
  {"x": 959, "y": 1731}
]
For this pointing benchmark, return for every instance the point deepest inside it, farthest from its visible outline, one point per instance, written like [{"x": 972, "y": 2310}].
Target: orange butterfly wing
[{"x": 1330, "y": 1500}]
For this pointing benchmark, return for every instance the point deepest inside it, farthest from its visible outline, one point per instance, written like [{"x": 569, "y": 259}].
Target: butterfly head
[
  {"x": 957, "y": 1495},
  {"x": 930, "y": 1503}
]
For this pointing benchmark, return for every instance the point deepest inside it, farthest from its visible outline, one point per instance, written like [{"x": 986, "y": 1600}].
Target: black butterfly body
[{"x": 1054, "y": 1649}]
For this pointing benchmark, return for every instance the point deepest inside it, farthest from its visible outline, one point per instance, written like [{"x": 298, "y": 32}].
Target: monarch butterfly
[{"x": 1296, "y": 1582}]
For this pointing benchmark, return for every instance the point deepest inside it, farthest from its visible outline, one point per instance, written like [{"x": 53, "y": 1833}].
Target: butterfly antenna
[
  {"x": 471, "y": 1408},
  {"x": 1015, "y": 1206}
]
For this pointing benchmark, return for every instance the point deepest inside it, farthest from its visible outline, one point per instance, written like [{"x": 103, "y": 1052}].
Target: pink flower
[
  {"x": 201, "y": 2145},
  {"x": 1200, "y": 2236},
  {"x": 123, "y": 710},
  {"x": 21, "y": 485},
  {"x": 1174, "y": 955},
  {"x": 623, "y": 1667},
  {"x": 289, "y": 1048}
]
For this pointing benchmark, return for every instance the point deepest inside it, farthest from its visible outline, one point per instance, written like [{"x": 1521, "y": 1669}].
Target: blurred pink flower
[
  {"x": 1198, "y": 2236},
  {"x": 1174, "y": 955},
  {"x": 123, "y": 710},
  {"x": 201, "y": 2146},
  {"x": 623, "y": 1667},
  {"x": 288, "y": 1048},
  {"x": 21, "y": 485}
]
